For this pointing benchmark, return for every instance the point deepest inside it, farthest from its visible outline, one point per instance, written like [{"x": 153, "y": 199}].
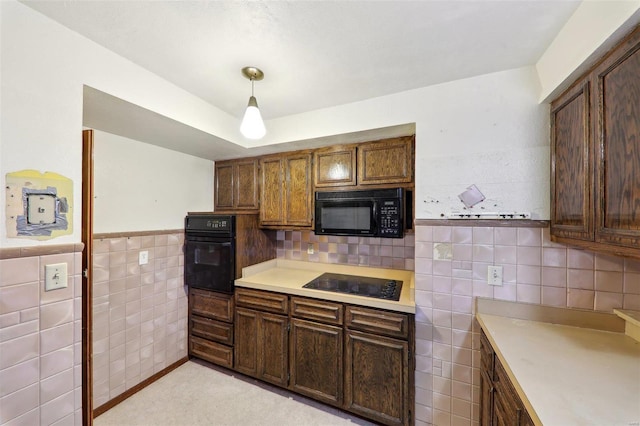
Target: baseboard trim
[{"x": 130, "y": 392}]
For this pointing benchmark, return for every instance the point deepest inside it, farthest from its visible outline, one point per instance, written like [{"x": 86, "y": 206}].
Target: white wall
[
  {"x": 488, "y": 130},
  {"x": 141, "y": 187}
]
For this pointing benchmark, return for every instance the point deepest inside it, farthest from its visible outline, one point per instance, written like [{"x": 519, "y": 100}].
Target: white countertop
[
  {"x": 569, "y": 375},
  {"x": 288, "y": 276}
]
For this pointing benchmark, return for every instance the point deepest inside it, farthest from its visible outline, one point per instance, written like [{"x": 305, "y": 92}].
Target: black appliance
[
  {"x": 367, "y": 213},
  {"x": 210, "y": 247},
  {"x": 218, "y": 246},
  {"x": 360, "y": 286}
]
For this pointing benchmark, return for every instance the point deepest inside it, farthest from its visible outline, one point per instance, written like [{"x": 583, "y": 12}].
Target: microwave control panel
[{"x": 390, "y": 218}]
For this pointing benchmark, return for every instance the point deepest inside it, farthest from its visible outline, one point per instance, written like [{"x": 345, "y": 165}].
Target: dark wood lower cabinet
[
  {"x": 354, "y": 358},
  {"x": 500, "y": 404},
  {"x": 376, "y": 377},
  {"x": 316, "y": 361},
  {"x": 211, "y": 326},
  {"x": 261, "y": 345}
]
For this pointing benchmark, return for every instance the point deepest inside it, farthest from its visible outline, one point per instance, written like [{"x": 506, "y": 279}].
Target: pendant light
[{"x": 252, "y": 126}]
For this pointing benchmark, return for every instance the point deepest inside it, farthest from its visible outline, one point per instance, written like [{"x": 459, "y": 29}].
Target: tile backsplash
[
  {"x": 395, "y": 253},
  {"x": 451, "y": 270},
  {"x": 139, "y": 311}
]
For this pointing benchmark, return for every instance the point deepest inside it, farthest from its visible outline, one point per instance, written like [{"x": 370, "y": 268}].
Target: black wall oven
[{"x": 210, "y": 252}]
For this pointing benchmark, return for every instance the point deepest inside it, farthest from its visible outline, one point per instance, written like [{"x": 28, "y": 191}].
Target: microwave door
[{"x": 346, "y": 217}]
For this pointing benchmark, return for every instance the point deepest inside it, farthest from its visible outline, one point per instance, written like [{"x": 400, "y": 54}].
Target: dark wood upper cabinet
[
  {"x": 335, "y": 166},
  {"x": 280, "y": 186},
  {"x": 572, "y": 164},
  {"x": 286, "y": 191},
  {"x": 298, "y": 189},
  {"x": 236, "y": 185},
  {"x": 617, "y": 85},
  {"x": 595, "y": 156},
  {"x": 272, "y": 191},
  {"x": 386, "y": 161}
]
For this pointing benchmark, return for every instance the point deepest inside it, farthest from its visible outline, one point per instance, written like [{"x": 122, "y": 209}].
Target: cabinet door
[
  {"x": 316, "y": 360},
  {"x": 272, "y": 191},
  {"x": 618, "y": 133},
  {"x": 261, "y": 345},
  {"x": 572, "y": 214},
  {"x": 246, "y": 185},
  {"x": 246, "y": 341},
  {"x": 224, "y": 186},
  {"x": 298, "y": 190},
  {"x": 273, "y": 354},
  {"x": 386, "y": 161},
  {"x": 377, "y": 377},
  {"x": 335, "y": 166}
]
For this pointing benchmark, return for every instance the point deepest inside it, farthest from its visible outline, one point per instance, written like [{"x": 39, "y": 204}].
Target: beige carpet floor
[{"x": 197, "y": 394}]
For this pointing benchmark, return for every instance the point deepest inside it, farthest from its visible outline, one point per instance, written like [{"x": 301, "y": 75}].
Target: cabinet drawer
[
  {"x": 211, "y": 351},
  {"x": 212, "y": 330},
  {"x": 211, "y": 305},
  {"x": 262, "y": 300},
  {"x": 377, "y": 321},
  {"x": 318, "y": 310}
]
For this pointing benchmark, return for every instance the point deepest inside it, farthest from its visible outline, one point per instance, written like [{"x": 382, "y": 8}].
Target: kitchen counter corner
[{"x": 566, "y": 374}]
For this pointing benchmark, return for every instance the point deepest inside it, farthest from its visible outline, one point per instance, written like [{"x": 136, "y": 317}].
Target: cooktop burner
[{"x": 360, "y": 286}]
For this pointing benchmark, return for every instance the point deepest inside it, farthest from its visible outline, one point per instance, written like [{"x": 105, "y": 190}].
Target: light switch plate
[
  {"x": 55, "y": 276},
  {"x": 494, "y": 275},
  {"x": 143, "y": 257}
]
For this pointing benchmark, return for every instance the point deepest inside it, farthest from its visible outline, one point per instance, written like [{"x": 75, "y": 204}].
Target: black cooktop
[{"x": 359, "y": 286}]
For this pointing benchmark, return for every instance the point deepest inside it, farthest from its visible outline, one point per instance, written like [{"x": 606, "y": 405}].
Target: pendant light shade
[{"x": 252, "y": 126}]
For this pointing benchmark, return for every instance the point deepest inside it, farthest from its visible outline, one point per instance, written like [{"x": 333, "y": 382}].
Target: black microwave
[{"x": 367, "y": 213}]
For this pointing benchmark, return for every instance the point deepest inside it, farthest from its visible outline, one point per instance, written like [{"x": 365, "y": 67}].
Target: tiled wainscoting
[
  {"x": 40, "y": 339},
  {"x": 139, "y": 311},
  {"x": 395, "y": 253},
  {"x": 451, "y": 269}
]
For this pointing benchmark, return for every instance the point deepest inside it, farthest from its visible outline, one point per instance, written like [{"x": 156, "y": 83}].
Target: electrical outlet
[
  {"x": 143, "y": 257},
  {"x": 310, "y": 248},
  {"x": 55, "y": 276},
  {"x": 494, "y": 275}
]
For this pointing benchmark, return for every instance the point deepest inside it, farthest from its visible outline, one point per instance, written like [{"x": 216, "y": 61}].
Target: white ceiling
[{"x": 315, "y": 54}]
